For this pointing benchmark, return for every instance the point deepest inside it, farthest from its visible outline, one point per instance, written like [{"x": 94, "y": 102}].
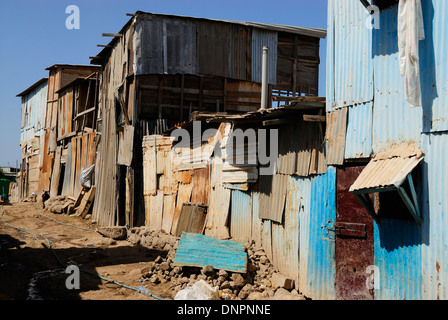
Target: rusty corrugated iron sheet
[
  {"x": 336, "y": 136},
  {"x": 272, "y": 196},
  {"x": 224, "y": 50},
  {"x": 388, "y": 169}
]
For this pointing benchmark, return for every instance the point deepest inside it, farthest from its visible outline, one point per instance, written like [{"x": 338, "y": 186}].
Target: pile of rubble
[{"x": 261, "y": 281}]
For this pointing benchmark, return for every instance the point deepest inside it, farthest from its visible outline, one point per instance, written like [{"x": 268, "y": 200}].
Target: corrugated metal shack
[
  {"x": 279, "y": 211},
  {"x": 159, "y": 69},
  {"x": 55, "y": 111},
  {"x": 34, "y": 103},
  {"x": 389, "y": 155}
]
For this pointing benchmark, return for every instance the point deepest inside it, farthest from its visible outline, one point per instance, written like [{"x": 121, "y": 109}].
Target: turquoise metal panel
[
  {"x": 398, "y": 258},
  {"x": 317, "y": 250},
  {"x": 349, "y": 54},
  {"x": 241, "y": 216},
  {"x": 195, "y": 249},
  {"x": 394, "y": 121},
  {"x": 435, "y": 216},
  {"x": 358, "y": 143}
]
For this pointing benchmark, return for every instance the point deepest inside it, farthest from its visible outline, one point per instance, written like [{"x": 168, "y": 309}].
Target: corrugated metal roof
[
  {"x": 388, "y": 169},
  {"x": 32, "y": 87},
  {"x": 310, "y": 32}
]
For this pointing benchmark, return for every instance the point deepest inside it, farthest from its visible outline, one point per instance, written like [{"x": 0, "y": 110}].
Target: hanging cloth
[{"x": 410, "y": 32}]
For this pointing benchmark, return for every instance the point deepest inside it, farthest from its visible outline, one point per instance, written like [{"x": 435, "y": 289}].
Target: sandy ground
[{"x": 29, "y": 270}]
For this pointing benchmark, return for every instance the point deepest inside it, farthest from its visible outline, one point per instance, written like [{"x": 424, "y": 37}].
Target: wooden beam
[
  {"x": 104, "y": 46},
  {"x": 314, "y": 118},
  {"x": 112, "y": 35}
]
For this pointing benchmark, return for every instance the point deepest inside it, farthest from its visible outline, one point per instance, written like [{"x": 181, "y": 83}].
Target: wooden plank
[
  {"x": 149, "y": 169},
  {"x": 91, "y": 149},
  {"x": 169, "y": 206},
  {"x": 54, "y": 187},
  {"x": 200, "y": 250},
  {"x": 155, "y": 211},
  {"x": 314, "y": 118},
  {"x": 192, "y": 218},
  {"x": 201, "y": 185},
  {"x": 183, "y": 195},
  {"x": 86, "y": 202}
]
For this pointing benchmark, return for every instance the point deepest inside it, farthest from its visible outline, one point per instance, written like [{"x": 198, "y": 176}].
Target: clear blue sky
[{"x": 34, "y": 37}]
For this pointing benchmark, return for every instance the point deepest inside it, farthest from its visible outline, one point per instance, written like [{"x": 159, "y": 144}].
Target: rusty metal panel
[
  {"x": 336, "y": 136},
  {"x": 223, "y": 50},
  {"x": 241, "y": 216},
  {"x": 285, "y": 235},
  {"x": 148, "y": 48},
  {"x": 301, "y": 149},
  {"x": 201, "y": 185},
  {"x": 354, "y": 240},
  {"x": 261, "y": 38},
  {"x": 388, "y": 169},
  {"x": 165, "y": 45},
  {"x": 272, "y": 196},
  {"x": 179, "y": 43}
]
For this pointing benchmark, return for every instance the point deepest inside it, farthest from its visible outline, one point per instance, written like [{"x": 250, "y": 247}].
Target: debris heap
[{"x": 261, "y": 281}]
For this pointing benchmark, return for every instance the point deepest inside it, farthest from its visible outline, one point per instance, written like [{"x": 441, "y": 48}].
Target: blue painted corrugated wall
[{"x": 317, "y": 250}]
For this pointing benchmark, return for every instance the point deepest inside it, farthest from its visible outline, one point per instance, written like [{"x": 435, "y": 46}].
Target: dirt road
[{"x": 29, "y": 270}]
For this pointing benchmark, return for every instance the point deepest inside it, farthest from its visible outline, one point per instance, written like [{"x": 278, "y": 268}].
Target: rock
[
  {"x": 255, "y": 295},
  {"x": 164, "y": 265},
  {"x": 238, "y": 280},
  {"x": 223, "y": 273},
  {"x": 116, "y": 232},
  {"x": 244, "y": 292},
  {"x": 280, "y": 281},
  {"x": 208, "y": 269},
  {"x": 283, "y": 294}
]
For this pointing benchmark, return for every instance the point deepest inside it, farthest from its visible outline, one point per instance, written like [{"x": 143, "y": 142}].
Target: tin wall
[
  {"x": 350, "y": 71},
  {"x": 33, "y": 112},
  {"x": 261, "y": 38},
  {"x": 435, "y": 217},
  {"x": 317, "y": 250},
  {"x": 394, "y": 121}
]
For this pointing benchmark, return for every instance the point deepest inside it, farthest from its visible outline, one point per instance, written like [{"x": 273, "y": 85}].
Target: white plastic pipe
[{"x": 264, "y": 79}]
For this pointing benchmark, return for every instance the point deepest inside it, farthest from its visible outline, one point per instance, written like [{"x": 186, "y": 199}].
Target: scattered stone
[
  {"x": 115, "y": 232},
  {"x": 280, "y": 281},
  {"x": 238, "y": 280}
]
